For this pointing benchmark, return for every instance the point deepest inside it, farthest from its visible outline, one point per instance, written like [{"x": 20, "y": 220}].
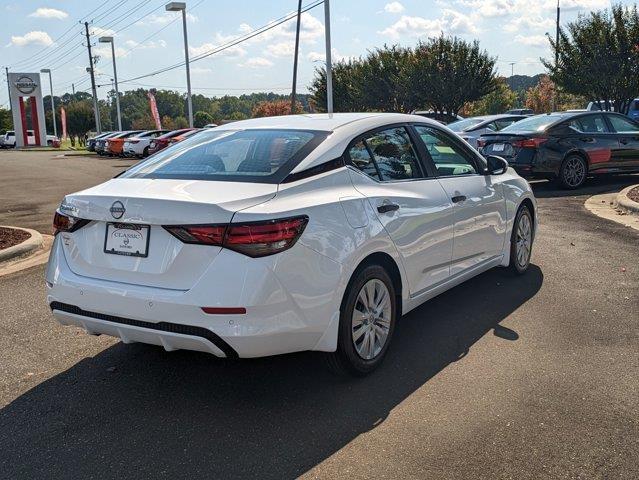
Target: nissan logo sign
[
  {"x": 117, "y": 210},
  {"x": 26, "y": 85}
]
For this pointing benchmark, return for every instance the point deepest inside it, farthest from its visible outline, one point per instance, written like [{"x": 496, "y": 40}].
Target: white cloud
[
  {"x": 451, "y": 21},
  {"x": 532, "y": 40},
  {"x": 150, "y": 44},
  {"x": 165, "y": 18},
  {"x": 335, "y": 56},
  {"x": 200, "y": 70},
  {"x": 311, "y": 29},
  {"x": 490, "y": 8},
  {"x": 394, "y": 7},
  {"x": 44, "y": 12},
  {"x": 256, "y": 62},
  {"x": 281, "y": 49},
  {"x": 532, "y": 22},
  {"x": 36, "y": 37},
  {"x": 101, "y": 32},
  {"x": 105, "y": 51},
  {"x": 233, "y": 52}
]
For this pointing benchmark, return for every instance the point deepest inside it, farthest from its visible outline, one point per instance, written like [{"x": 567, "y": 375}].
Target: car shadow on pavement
[
  {"x": 135, "y": 411},
  {"x": 593, "y": 186}
]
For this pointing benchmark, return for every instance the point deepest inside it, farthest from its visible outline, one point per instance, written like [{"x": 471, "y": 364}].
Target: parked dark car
[
  {"x": 567, "y": 146},
  {"x": 92, "y": 141},
  {"x": 100, "y": 143}
]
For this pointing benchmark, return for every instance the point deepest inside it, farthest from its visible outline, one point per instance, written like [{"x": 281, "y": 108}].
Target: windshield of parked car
[
  {"x": 537, "y": 123},
  {"x": 465, "y": 124},
  {"x": 261, "y": 156}
]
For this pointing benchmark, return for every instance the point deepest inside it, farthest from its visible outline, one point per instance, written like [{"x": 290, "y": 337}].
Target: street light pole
[
  {"x": 176, "y": 7},
  {"x": 556, "y": 95},
  {"x": 297, "y": 50},
  {"x": 329, "y": 64},
  {"x": 55, "y": 128},
  {"x": 115, "y": 77}
]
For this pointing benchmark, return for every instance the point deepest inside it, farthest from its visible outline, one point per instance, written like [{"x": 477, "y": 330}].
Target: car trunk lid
[{"x": 168, "y": 263}]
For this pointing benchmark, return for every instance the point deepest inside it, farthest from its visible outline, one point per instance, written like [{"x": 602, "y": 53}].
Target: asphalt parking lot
[{"x": 503, "y": 377}]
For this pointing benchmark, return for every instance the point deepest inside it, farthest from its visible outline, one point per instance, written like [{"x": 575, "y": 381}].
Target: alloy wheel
[
  {"x": 523, "y": 240},
  {"x": 371, "y": 319},
  {"x": 574, "y": 172}
]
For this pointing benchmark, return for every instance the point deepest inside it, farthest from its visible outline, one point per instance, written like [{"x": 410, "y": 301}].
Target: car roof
[{"x": 323, "y": 121}]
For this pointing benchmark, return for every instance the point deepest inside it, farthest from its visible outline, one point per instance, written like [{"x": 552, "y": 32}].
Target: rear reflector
[
  {"x": 254, "y": 239},
  {"x": 224, "y": 310},
  {"x": 532, "y": 142}
]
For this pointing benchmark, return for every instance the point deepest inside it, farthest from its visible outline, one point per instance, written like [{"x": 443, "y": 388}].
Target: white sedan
[
  {"x": 282, "y": 234},
  {"x": 138, "y": 145}
]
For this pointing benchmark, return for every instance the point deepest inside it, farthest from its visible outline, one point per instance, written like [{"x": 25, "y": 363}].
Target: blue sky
[{"x": 37, "y": 35}]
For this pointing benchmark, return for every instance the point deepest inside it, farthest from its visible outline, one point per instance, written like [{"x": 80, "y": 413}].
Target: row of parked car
[
  {"x": 565, "y": 146},
  {"x": 138, "y": 143}
]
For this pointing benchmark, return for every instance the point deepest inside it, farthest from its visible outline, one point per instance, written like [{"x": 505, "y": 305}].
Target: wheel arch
[
  {"x": 579, "y": 153},
  {"x": 389, "y": 264}
]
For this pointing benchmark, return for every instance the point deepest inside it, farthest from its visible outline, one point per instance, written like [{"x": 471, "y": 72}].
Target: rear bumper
[{"x": 284, "y": 312}]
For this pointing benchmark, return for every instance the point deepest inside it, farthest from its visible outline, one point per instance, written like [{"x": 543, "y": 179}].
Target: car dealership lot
[{"x": 501, "y": 377}]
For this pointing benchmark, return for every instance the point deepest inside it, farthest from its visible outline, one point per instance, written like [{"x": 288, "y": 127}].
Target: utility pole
[
  {"x": 6, "y": 69},
  {"x": 329, "y": 64},
  {"x": 297, "y": 49},
  {"x": 73, "y": 88},
  {"x": 96, "y": 105},
  {"x": 555, "y": 96}
]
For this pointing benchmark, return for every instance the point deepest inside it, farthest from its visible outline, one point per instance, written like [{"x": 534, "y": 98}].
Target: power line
[
  {"x": 60, "y": 37},
  {"x": 229, "y": 44}
]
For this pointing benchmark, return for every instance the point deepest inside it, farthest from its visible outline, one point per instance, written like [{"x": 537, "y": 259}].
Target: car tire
[
  {"x": 145, "y": 152},
  {"x": 521, "y": 241},
  {"x": 49, "y": 143},
  {"x": 573, "y": 172},
  {"x": 355, "y": 355}
]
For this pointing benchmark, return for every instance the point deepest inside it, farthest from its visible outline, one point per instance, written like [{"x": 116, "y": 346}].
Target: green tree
[
  {"x": 497, "y": 101},
  {"x": 80, "y": 118},
  {"x": 448, "y": 72},
  {"x": 202, "y": 118},
  {"x": 598, "y": 57},
  {"x": 6, "y": 121}
]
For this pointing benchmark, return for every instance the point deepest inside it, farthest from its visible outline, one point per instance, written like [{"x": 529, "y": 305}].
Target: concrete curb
[
  {"x": 30, "y": 245},
  {"x": 623, "y": 202}
]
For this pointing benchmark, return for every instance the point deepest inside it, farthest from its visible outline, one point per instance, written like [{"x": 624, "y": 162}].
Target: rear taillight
[
  {"x": 199, "y": 234},
  {"x": 65, "y": 223},
  {"x": 532, "y": 142},
  {"x": 254, "y": 239}
]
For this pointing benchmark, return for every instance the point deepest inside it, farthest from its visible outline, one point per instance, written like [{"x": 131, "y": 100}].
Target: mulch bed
[
  {"x": 634, "y": 194},
  {"x": 10, "y": 237}
]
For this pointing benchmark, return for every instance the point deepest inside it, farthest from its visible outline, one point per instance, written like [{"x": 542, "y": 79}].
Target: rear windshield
[
  {"x": 537, "y": 123},
  {"x": 465, "y": 124},
  {"x": 261, "y": 156}
]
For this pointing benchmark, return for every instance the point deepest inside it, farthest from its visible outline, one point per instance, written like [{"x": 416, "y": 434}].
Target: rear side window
[
  {"x": 623, "y": 125},
  {"x": 261, "y": 156},
  {"x": 590, "y": 124},
  {"x": 387, "y": 155}
]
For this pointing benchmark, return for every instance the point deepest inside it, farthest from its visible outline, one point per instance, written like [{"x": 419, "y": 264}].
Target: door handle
[
  {"x": 387, "y": 207},
  {"x": 458, "y": 198},
  {"x": 624, "y": 141}
]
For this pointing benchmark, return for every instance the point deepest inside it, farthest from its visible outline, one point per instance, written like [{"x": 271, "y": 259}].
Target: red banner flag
[
  {"x": 63, "y": 119},
  {"x": 154, "y": 110}
]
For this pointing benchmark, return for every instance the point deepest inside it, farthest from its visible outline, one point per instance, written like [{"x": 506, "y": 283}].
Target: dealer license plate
[{"x": 127, "y": 239}]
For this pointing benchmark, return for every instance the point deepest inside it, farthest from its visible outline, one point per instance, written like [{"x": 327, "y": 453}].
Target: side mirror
[{"x": 496, "y": 165}]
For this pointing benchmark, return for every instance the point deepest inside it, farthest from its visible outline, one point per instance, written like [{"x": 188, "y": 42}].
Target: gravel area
[
  {"x": 10, "y": 237},
  {"x": 634, "y": 194}
]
